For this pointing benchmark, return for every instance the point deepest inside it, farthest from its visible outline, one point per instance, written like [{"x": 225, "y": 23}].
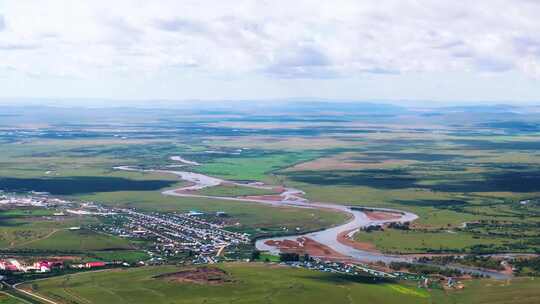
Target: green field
[
  {"x": 522, "y": 291},
  {"x": 262, "y": 283},
  {"x": 233, "y": 191},
  {"x": 249, "y": 283},
  {"x": 254, "y": 168},
  {"x": 8, "y": 299},
  {"x": 411, "y": 241},
  {"x": 129, "y": 256},
  {"x": 35, "y": 229},
  {"x": 79, "y": 240}
]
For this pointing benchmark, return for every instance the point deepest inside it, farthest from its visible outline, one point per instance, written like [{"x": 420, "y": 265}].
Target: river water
[{"x": 291, "y": 197}]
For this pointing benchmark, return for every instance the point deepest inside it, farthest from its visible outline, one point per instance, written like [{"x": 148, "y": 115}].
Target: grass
[
  {"x": 251, "y": 283},
  {"x": 253, "y": 168},
  {"x": 130, "y": 256},
  {"x": 391, "y": 198},
  {"x": 267, "y": 257},
  {"x": 233, "y": 191},
  {"x": 27, "y": 212},
  {"x": 18, "y": 232},
  {"x": 23, "y": 230},
  {"x": 411, "y": 241},
  {"x": 6, "y": 298},
  {"x": 251, "y": 216},
  {"x": 81, "y": 240},
  {"x": 522, "y": 291}
]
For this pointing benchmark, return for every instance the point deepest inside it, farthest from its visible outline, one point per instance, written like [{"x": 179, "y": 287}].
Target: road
[{"x": 31, "y": 294}]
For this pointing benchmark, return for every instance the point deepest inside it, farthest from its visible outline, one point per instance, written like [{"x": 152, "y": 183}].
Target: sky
[{"x": 441, "y": 51}]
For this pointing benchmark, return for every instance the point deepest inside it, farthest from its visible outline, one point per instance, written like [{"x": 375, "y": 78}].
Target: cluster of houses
[
  {"x": 90, "y": 265},
  {"x": 13, "y": 265},
  {"x": 172, "y": 233},
  {"x": 34, "y": 199}
]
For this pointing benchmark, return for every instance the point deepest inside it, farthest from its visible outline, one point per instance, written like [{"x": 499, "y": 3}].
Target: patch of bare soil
[
  {"x": 271, "y": 198},
  {"x": 304, "y": 245},
  {"x": 187, "y": 185},
  {"x": 382, "y": 216},
  {"x": 345, "y": 240},
  {"x": 201, "y": 275}
]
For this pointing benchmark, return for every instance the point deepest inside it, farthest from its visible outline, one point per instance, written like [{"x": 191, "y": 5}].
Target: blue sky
[{"x": 445, "y": 51}]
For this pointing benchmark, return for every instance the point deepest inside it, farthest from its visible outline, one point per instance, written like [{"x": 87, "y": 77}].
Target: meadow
[
  {"x": 269, "y": 283},
  {"x": 6, "y": 298},
  {"x": 415, "y": 241},
  {"x": 36, "y": 230},
  {"x": 523, "y": 291},
  {"x": 234, "y": 191},
  {"x": 248, "y": 283}
]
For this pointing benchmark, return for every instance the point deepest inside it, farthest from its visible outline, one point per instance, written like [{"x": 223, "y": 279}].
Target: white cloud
[{"x": 283, "y": 39}]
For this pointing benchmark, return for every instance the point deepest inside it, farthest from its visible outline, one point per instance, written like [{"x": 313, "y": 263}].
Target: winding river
[{"x": 291, "y": 197}]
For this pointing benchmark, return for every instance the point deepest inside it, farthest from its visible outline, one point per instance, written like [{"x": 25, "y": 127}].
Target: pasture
[
  {"x": 414, "y": 241},
  {"x": 247, "y": 283},
  {"x": 38, "y": 230}
]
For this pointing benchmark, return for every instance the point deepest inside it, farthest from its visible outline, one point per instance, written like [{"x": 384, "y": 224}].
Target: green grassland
[
  {"x": 234, "y": 191},
  {"x": 130, "y": 256},
  {"x": 80, "y": 240},
  {"x": 253, "y": 168},
  {"x": 522, "y": 291},
  {"x": 35, "y": 229},
  {"x": 8, "y": 299},
  {"x": 414, "y": 241},
  {"x": 260, "y": 283},
  {"x": 249, "y": 283}
]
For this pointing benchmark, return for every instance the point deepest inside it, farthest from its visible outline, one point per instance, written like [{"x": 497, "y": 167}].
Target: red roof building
[{"x": 94, "y": 264}]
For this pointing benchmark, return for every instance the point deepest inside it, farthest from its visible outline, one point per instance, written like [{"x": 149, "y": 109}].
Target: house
[
  {"x": 10, "y": 265},
  {"x": 95, "y": 264},
  {"x": 43, "y": 266}
]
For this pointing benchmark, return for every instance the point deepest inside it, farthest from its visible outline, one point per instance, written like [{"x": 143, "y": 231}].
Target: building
[{"x": 94, "y": 264}]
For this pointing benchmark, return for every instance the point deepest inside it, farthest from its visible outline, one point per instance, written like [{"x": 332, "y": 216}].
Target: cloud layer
[{"x": 274, "y": 39}]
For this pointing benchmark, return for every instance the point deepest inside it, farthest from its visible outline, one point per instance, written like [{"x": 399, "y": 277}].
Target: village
[
  {"x": 169, "y": 236},
  {"x": 165, "y": 235},
  {"x": 172, "y": 233}
]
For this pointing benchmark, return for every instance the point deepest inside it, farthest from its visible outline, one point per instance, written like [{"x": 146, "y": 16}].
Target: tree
[
  {"x": 289, "y": 257},
  {"x": 255, "y": 254}
]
